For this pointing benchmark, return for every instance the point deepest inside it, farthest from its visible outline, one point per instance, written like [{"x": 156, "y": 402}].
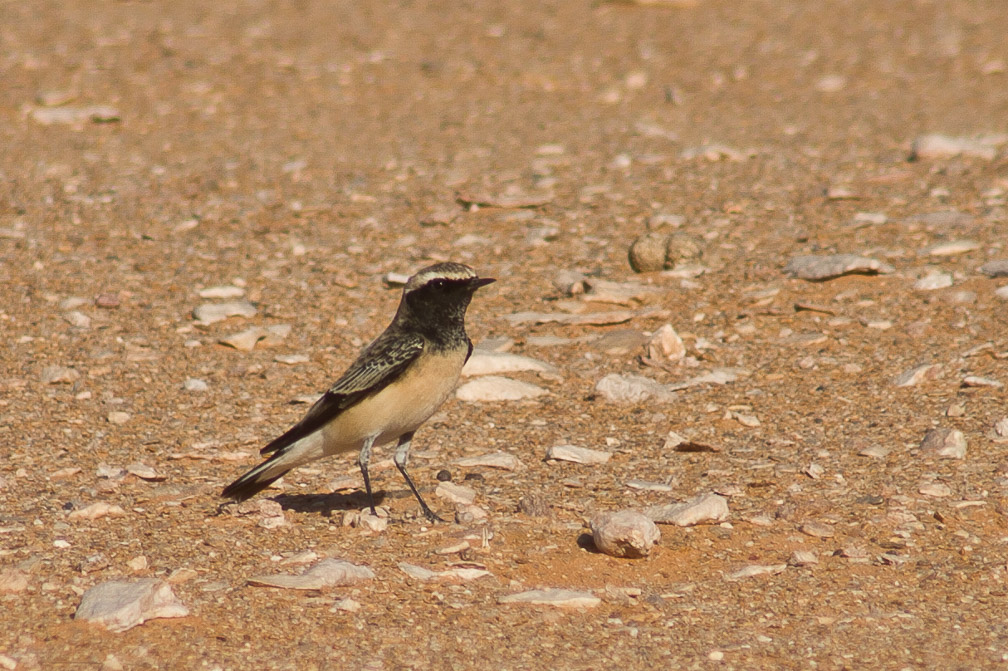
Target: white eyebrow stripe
[{"x": 458, "y": 273}]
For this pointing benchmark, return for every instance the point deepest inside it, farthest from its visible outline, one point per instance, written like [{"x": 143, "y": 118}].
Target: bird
[{"x": 395, "y": 384}]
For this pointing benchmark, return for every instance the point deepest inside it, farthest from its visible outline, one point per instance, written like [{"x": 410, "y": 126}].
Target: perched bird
[{"x": 394, "y": 386}]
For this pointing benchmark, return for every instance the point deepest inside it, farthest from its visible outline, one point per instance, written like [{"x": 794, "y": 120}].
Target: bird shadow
[{"x": 326, "y": 504}]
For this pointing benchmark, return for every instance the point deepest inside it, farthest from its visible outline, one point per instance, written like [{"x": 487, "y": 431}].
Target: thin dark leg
[
  {"x": 401, "y": 459},
  {"x": 363, "y": 459}
]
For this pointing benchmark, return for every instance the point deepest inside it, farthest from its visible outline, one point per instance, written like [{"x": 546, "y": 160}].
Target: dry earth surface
[{"x": 300, "y": 152}]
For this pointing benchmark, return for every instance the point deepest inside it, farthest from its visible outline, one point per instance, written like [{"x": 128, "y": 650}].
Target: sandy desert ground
[{"x": 297, "y": 154}]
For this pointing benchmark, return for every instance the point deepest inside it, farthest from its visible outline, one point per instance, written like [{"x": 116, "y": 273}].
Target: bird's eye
[{"x": 438, "y": 284}]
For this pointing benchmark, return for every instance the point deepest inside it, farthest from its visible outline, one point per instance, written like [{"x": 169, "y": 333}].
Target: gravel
[{"x": 292, "y": 158}]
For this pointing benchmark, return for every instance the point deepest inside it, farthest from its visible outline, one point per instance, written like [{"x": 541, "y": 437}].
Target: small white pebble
[
  {"x": 118, "y": 417},
  {"x": 195, "y": 384},
  {"x": 138, "y": 563}
]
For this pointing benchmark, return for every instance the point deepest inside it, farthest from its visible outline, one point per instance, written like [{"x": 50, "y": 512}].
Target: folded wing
[{"x": 378, "y": 365}]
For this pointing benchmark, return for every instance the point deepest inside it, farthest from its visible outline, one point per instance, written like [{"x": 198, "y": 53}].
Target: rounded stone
[
  {"x": 626, "y": 533},
  {"x": 680, "y": 247},
  {"x": 647, "y": 253}
]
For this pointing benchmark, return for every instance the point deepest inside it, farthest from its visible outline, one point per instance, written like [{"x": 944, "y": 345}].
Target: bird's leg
[
  {"x": 362, "y": 460},
  {"x": 401, "y": 459}
]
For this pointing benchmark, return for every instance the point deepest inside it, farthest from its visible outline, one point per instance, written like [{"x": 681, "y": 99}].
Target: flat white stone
[
  {"x": 144, "y": 472},
  {"x": 617, "y": 388},
  {"x": 818, "y": 268},
  {"x": 211, "y": 313},
  {"x": 578, "y": 319},
  {"x": 977, "y": 381},
  {"x": 619, "y": 293},
  {"x": 953, "y": 248},
  {"x": 751, "y": 421},
  {"x": 665, "y": 220},
  {"x": 648, "y": 486},
  {"x": 802, "y": 558},
  {"x": 326, "y": 573},
  {"x": 501, "y": 460},
  {"x": 497, "y": 388},
  {"x": 997, "y": 268},
  {"x": 577, "y": 455},
  {"x": 870, "y": 218},
  {"x": 363, "y": 519},
  {"x": 483, "y": 362},
  {"x": 291, "y": 359},
  {"x": 703, "y": 508},
  {"x": 107, "y": 471},
  {"x": 118, "y": 417},
  {"x": 195, "y": 384},
  {"x": 935, "y": 490},
  {"x": 561, "y": 598},
  {"x": 267, "y": 336},
  {"x": 418, "y": 572},
  {"x": 74, "y": 115},
  {"x": 915, "y": 376},
  {"x": 396, "y": 279},
  {"x": 841, "y": 192},
  {"x": 455, "y": 493},
  {"x": 817, "y": 530},
  {"x": 1000, "y": 432},
  {"x": 755, "y": 570},
  {"x": 471, "y": 240},
  {"x": 937, "y": 146},
  {"x": 717, "y": 376},
  {"x": 13, "y": 581},
  {"x": 469, "y": 513},
  {"x": 666, "y": 345},
  {"x": 272, "y": 522},
  {"x": 933, "y": 281},
  {"x": 121, "y": 605},
  {"x": 300, "y": 558},
  {"x": 459, "y": 573},
  {"x": 945, "y": 443},
  {"x": 223, "y": 291},
  {"x": 77, "y": 318},
  {"x": 73, "y": 302},
  {"x": 97, "y": 510},
  {"x": 454, "y": 548},
  {"x": 59, "y": 375},
  {"x": 942, "y": 220},
  {"x": 138, "y": 563},
  {"x": 831, "y": 83},
  {"x": 349, "y": 605}
]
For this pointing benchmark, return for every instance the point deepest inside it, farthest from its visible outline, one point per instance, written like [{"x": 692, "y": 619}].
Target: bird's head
[{"x": 439, "y": 294}]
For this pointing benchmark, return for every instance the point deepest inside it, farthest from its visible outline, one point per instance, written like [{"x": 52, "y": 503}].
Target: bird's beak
[{"x": 478, "y": 282}]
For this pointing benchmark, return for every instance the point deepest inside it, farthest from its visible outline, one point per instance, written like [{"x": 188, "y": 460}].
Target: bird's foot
[{"x": 432, "y": 516}]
